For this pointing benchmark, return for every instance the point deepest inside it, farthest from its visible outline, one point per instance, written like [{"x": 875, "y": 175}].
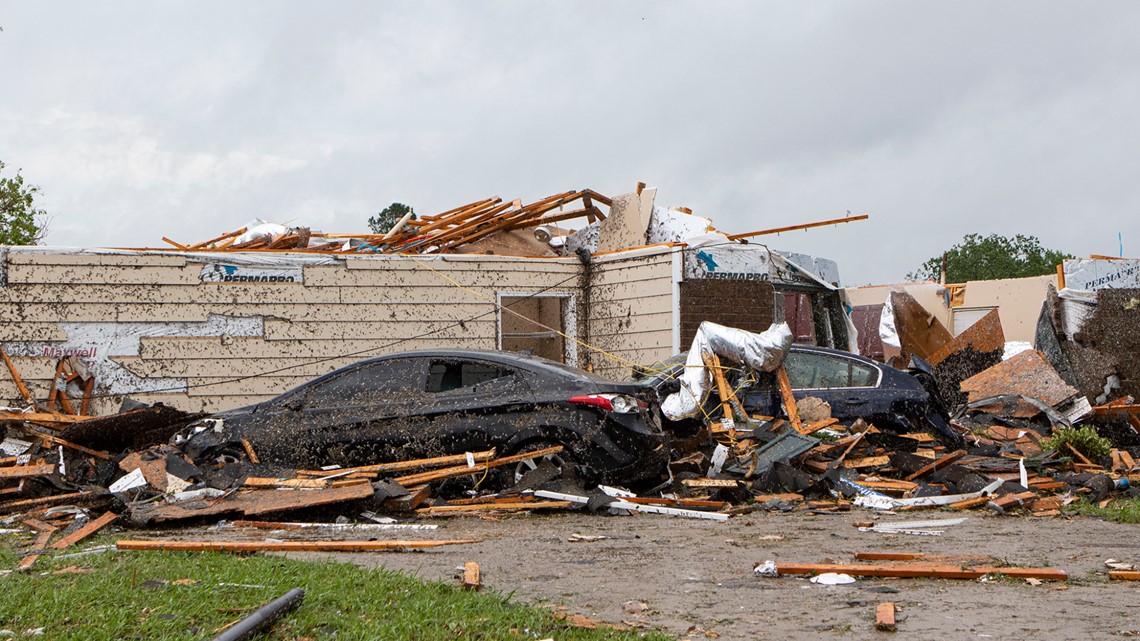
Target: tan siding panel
[
  {"x": 656, "y": 304},
  {"x": 500, "y": 263},
  {"x": 384, "y": 330},
  {"x": 258, "y": 386},
  {"x": 214, "y": 347},
  {"x": 17, "y": 257},
  {"x": 636, "y": 289},
  {"x": 205, "y": 367},
  {"x": 102, "y": 274},
  {"x": 31, "y": 332},
  {"x": 629, "y": 273},
  {"x": 223, "y": 293},
  {"x": 469, "y": 275}
]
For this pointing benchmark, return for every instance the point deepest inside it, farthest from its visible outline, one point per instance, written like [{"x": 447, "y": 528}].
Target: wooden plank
[
  {"x": 28, "y": 398},
  {"x": 937, "y": 465},
  {"x": 416, "y": 497},
  {"x": 471, "y": 579},
  {"x": 789, "y": 399},
  {"x": 1123, "y": 575},
  {"x": 250, "y": 452},
  {"x": 464, "y": 470},
  {"x": 38, "y": 547},
  {"x": 85, "y": 531},
  {"x": 438, "y": 510},
  {"x": 921, "y": 571},
  {"x": 868, "y": 461},
  {"x": 885, "y": 617},
  {"x": 55, "y": 440},
  {"x": 58, "y": 499},
  {"x": 26, "y": 471},
  {"x": 288, "y": 546},
  {"x": 780, "y": 230},
  {"x": 413, "y": 464}
]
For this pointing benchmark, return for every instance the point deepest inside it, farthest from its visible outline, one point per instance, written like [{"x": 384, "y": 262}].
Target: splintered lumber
[
  {"x": 885, "y": 617},
  {"x": 26, "y": 471},
  {"x": 471, "y": 576},
  {"x": 85, "y": 531},
  {"x": 44, "y": 419},
  {"x": 463, "y": 470},
  {"x": 417, "y": 496},
  {"x": 287, "y": 546},
  {"x": 58, "y": 499},
  {"x": 710, "y": 483},
  {"x": 438, "y": 510},
  {"x": 789, "y": 399},
  {"x": 38, "y": 547},
  {"x": 298, "y": 484},
  {"x": 253, "y": 503},
  {"x": 868, "y": 461},
  {"x": 937, "y": 465},
  {"x": 28, "y": 398},
  {"x": 780, "y": 230},
  {"x": 404, "y": 466},
  {"x": 55, "y": 440},
  {"x": 250, "y": 452},
  {"x": 920, "y": 571}
]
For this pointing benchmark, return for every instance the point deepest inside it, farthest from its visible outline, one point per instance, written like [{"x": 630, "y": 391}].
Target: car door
[
  {"x": 472, "y": 404},
  {"x": 357, "y": 416},
  {"x": 849, "y": 385}
]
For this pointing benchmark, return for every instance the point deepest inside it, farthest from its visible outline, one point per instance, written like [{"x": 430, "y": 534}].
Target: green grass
[
  {"x": 175, "y": 595},
  {"x": 1119, "y": 510}
]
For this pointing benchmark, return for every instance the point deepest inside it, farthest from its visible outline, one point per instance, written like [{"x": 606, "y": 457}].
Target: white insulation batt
[{"x": 761, "y": 352}]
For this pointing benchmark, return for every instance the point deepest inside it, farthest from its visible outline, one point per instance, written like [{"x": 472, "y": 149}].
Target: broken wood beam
[
  {"x": 464, "y": 470},
  {"x": 26, "y": 471},
  {"x": 38, "y": 547},
  {"x": 780, "y": 230},
  {"x": 471, "y": 578},
  {"x": 789, "y": 399},
  {"x": 936, "y": 465},
  {"x": 403, "y": 466},
  {"x": 28, "y": 398},
  {"x": 438, "y": 510},
  {"x": 885, "y": 617},
  {"x": 58, "y": 499},
  {"x": 921, "y": 571},
  {"x": 1123, "y": 575},
  {"x": 85, "y": 531},
  {"x": 55, "y": 440},
  {"x": 287, "y": 546},
  {"x": 250, "y": 452}
]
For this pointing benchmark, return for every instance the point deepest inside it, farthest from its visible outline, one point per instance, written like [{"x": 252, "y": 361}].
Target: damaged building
[{"x": 241, "y": 318}]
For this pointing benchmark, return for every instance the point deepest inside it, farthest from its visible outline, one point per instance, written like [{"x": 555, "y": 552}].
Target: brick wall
[{"x": 746, "y": 304}]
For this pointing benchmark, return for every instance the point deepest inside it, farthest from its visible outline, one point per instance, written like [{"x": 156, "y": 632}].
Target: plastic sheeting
[
  {"x": 762, "y": 352},
  {"x": 887, "y": 331}
]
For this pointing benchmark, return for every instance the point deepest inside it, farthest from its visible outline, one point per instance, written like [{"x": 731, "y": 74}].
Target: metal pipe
[{"x": 266, "y": 615}]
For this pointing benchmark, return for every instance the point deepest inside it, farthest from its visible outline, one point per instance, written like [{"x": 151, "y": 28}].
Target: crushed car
[
  {"x": 855, "y": 387},
  {"x": 421, "y": 404}
]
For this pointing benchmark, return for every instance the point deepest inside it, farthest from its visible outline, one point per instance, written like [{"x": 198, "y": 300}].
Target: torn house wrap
[{"x": 762, "y": 352}]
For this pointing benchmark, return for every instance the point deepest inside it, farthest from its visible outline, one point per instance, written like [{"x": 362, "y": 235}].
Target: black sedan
[
  {"x": 432, "y": 403},
  {"x": 854, "y": 386}
]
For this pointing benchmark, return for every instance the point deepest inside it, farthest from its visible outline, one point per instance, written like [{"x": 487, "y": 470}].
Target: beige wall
[
  {"x": 156, "y": 325},
  {"x": 1018, "y": 301},
  {"x": 630, "y": 309}
]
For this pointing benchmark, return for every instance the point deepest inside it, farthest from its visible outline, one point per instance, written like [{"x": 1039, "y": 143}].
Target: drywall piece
[{"x": 628, "y": 222}]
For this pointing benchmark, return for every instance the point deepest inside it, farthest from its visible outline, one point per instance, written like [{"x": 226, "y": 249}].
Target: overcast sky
[{"x": 148, "y": 119}]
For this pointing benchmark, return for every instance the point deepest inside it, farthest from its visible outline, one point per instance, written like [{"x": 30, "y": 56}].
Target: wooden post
[{"x": 789, "y": 399}]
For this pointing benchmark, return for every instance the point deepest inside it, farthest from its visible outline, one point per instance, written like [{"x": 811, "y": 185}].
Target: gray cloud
[{"x": 143, "y": 119}]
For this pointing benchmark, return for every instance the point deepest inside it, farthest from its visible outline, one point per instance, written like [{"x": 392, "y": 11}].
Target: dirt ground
[{"x": 696, "y": 576}]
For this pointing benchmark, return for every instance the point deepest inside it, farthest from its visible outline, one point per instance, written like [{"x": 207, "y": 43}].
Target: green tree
[
  {"x": 383, "y": 222},
  {"x": 992, "y": 257},
  {"x": 21, "y": 223}
]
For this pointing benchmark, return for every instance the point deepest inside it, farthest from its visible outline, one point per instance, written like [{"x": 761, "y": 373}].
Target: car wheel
[{"x": 513, "y": 474}]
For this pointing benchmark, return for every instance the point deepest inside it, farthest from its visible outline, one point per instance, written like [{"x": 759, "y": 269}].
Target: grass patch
[
  {"x": 181, "y": 595},
  {"x": 1119, "y": 510}
]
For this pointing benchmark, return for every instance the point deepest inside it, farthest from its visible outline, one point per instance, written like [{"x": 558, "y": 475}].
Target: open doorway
[{"x": 536, "y": 324}]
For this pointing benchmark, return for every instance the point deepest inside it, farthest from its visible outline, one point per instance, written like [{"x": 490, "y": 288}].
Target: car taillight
[{"x": 619, "y": 403}]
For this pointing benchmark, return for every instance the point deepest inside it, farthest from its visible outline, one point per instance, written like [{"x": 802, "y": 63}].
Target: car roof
[{"x": 513, "y": 359}]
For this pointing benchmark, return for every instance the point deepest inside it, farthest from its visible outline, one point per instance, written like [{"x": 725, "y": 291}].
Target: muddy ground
[{"x": 697, "y": 575}]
